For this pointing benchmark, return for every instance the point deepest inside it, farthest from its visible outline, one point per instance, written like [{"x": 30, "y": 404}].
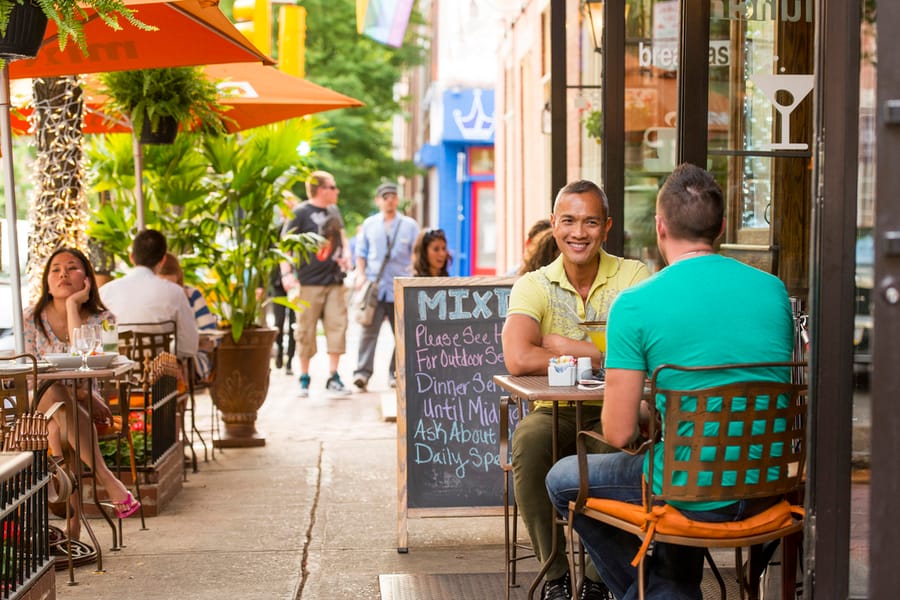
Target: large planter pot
[
  {"x": 25, "y": 32},
  {"x": 166, "y": 130},
  {"x": 240, "y": 385}
]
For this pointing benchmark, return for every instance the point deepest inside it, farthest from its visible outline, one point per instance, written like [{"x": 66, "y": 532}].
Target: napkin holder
[{"x": 561, "y": 375}]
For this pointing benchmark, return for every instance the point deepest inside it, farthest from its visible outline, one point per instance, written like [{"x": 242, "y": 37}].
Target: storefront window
[
  {"x": 759, "y": 132},
  {"x": 651, "y": 115},
  {"x": 585, "y": 100}
]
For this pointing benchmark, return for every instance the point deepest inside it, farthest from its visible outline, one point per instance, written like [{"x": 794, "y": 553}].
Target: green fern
[{"x": 183, "y": 93}]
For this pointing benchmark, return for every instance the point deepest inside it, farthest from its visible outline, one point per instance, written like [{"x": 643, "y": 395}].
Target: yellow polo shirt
[{"x": 547, "y": 296}]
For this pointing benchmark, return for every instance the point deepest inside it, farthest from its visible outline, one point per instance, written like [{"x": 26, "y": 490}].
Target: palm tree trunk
[{"x": 59, "y": 209}]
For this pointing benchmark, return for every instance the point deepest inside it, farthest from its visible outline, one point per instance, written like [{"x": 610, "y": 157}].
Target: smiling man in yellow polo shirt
[{"x": 546, "y": 308}]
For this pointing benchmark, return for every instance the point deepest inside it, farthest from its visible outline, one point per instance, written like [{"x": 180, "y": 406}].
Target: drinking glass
[
  {"x": 83, "y": 344},
  {"x": 109, "y": 337},
  {"x": 596, "y": 330},
  {"x": 97, "y": 335}
]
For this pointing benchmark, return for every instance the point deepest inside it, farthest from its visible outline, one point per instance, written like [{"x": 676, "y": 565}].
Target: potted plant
[
  {"x": 220, "y": 220},
  {"x": 23, "y": 23},
  {"x": 593, "y": 125},
  {"x": 157, "y": 101},
  {"x": 176, "y": 193},
  {"x": 241, "y": 245}
]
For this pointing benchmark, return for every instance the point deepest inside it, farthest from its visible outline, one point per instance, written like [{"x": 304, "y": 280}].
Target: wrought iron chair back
[{"x": 730, "y": 442}]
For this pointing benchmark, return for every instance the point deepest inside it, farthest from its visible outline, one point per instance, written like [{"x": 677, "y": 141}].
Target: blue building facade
[{"x": 463, "y": 161}]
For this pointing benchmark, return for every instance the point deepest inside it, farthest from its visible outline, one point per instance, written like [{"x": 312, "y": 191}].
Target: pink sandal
[{"x": 127, "y": 507}]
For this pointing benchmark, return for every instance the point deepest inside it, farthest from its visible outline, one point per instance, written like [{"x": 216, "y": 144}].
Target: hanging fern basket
[
  {"x": 24, "y": 32},
  {"x": 166, "y": 130}
]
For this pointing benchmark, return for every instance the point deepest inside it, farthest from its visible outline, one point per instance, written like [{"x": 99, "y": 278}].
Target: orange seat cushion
[{"x": 668, "y": 520}]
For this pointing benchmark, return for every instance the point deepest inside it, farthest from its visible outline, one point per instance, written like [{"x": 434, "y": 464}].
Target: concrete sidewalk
[{"x": 311, "y": 515}]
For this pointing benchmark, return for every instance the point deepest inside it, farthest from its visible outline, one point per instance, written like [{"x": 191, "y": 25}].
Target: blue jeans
[{"x": 672, "y": 572}]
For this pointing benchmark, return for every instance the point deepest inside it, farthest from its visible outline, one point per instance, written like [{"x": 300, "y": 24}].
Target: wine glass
[
  {"x": 596, "y": 330},
  {"x": 97, "y": 335},
  {"x": 83, "y": 344}
]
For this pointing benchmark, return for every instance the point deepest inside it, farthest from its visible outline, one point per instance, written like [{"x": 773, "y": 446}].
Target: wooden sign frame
[{"x": 452, "y": 295}]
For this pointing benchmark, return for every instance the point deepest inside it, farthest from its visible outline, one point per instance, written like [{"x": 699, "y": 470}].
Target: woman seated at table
[{"x": 68, "y": 300}]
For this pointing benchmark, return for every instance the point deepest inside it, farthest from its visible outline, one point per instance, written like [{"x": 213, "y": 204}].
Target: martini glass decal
[{"x": 797, "y": 88}]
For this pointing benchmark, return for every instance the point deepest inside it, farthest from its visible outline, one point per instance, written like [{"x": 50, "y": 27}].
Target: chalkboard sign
[{"x": 448, "y": 350}]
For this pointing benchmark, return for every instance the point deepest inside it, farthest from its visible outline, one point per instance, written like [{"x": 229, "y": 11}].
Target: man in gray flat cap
[{"x": 384, "y": 239}]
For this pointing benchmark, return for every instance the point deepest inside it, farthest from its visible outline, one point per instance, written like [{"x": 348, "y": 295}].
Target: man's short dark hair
[
  {"x": 691, "y": 204},
  {"x": 584, "y": 186},
  {"x": 149, "y": 248}
]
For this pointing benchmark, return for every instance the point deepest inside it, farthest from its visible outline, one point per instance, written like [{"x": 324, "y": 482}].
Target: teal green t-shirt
[{"x": 707, "y": 310}]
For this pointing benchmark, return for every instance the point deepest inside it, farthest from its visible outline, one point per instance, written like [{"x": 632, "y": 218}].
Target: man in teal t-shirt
[{"x": 702, "y": 309}]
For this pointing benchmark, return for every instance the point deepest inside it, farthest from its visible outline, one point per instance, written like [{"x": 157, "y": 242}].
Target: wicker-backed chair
[
  {"x": 141, "y": 340},
  {"x": 23, "y": 428},
  {"x": 708, "y": 437}
]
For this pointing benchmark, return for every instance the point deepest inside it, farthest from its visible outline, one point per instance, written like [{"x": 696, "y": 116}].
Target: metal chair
[
  {"x": 119, "y": 431},
  {"x": 709, "y": 434},
  {"x": 510, "y": 521},
  {"x": 26, "y": 495},
  {"x": 141, "y": 340},
  {"x": 153, "y": 389}
]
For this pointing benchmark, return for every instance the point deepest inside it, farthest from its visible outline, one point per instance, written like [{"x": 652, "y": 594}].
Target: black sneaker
[
  {"x": 557, "y": 589},
  {"x": 595, "y": 590},
  {"x": 336, "y": 387}
]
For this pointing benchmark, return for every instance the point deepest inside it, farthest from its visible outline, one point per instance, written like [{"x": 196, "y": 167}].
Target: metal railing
[{"x": 24, "y": 521}]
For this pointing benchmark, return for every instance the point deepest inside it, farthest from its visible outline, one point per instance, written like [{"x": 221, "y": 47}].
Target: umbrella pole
[
  {"x": 9, "y": 185},
  {"x": 138, "y": 179}
]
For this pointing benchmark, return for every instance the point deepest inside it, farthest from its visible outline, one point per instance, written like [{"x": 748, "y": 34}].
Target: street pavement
[{"x": 312, "y": 515}]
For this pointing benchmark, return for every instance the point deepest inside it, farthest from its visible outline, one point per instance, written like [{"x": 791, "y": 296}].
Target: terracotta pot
[
  {"x": 166, "y": 130},
  {"x": 240, "y": 384},
  {"x": 25, "y": 32}
]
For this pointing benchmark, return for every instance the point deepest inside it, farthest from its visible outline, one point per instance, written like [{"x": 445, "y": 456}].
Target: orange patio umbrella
[
  {"x": 259, "y": 95},
  {"x": 253, "y": 94},
  {"x": 188, "y": 32}
]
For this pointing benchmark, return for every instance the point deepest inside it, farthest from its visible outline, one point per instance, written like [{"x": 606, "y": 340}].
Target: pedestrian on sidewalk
[
  {"x": 321, "y": 280},
  {"x": 430, "y": 255},
  {"x": 384, "y": 250},
  {"x": 285, "y": 318}
]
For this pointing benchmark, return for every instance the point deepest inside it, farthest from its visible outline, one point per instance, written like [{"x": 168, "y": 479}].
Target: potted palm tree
[
  {"x": 23, "y": 23},
  {"x": 239, "y": 241},
  {"x": 220, "y": 219},
  {"x": 158, "y": 101}
]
